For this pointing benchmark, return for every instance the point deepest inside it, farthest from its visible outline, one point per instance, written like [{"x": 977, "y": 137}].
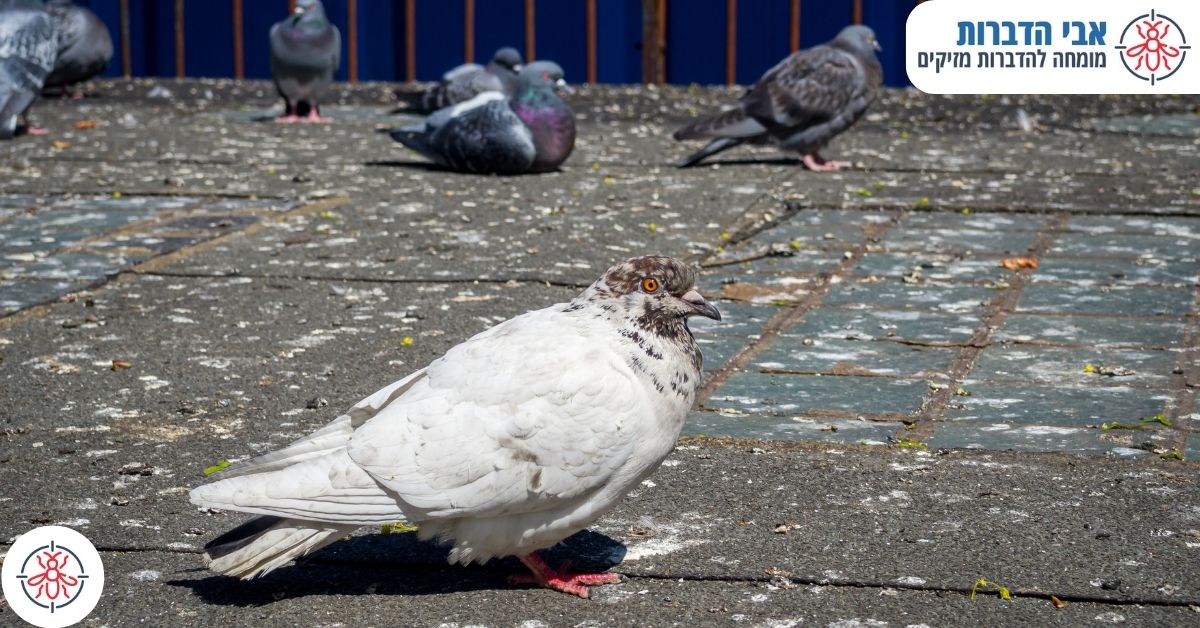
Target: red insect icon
[
  {"x": 1153, "y": 52},
  {"x": 52, "y": 583}
]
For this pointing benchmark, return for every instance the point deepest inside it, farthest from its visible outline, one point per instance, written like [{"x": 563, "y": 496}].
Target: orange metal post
[
  {"x": 856, "y": 12},
  {"x": 591, "y": 41},
  {"x": 239, "y": 51},
  {"x": 530, "y": 35},
  {"x": 662, "y": 41},
  {"x": 179, "y": 52},
  {"x": 730, "y": 42},
  {"x": 469, "y": 31},
  {"x": 410, "y": 40}
]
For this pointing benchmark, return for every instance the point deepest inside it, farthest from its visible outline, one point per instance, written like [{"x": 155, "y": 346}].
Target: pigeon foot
[
  {"x": 560, "y": 579},
  {"x": 36, "y": 130},
  {"x": 287, "y": 119},
  {"x": 314, "y": 117},
  {"x": 816, "y": 163}
]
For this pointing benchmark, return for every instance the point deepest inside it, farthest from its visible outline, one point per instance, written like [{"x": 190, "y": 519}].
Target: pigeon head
[
  {"x": 312, "y": 9},
  {"x": 542, "y": 75},
  {"x": 860, "y": 39},
  {"x": 659, "y": 293},
  {"x": 508, "y": 57}
]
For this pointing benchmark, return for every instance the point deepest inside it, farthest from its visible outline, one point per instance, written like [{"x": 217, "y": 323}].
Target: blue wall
[{"x": 695, "y": 35}]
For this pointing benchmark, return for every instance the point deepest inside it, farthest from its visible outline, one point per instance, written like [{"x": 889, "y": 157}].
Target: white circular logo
[{"x": 52, "y": 577}]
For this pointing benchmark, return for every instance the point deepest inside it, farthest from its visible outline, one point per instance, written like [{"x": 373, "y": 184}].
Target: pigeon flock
[{"x": 592, "y": 394}]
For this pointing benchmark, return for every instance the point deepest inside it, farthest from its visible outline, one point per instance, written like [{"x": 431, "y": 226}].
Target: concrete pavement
[{"x": 890, "y": 416}]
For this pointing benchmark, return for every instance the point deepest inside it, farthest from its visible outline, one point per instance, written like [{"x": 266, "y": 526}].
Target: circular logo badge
[
  {"x": 52, "y": 577},
  {"x": 1153, "y": 47}
]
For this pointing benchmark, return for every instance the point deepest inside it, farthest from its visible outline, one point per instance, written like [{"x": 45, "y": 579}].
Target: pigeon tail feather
[
  {"x": 413, "y": 138},
  {"x": 718, "y": 124},
  {"x": 712, "y": 148},
  {"x": 266, "y": 543}
]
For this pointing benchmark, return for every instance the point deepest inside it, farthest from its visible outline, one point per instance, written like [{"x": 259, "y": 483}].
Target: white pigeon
[{"x": 509, "y": 443}]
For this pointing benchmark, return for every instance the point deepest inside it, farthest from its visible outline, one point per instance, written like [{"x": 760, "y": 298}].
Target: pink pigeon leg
[
  {"x": 314, "y": 117},
  {"x": 30, "y": 128},
  {"x": 816, "y": 163},
  {"x": 560, "y": 579},
  {"x": 289, "y": 114}
]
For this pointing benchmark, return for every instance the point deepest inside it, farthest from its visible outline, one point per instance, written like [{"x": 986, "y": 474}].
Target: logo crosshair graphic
[
  {"x": 52, "y": 577},
  {"x": 1157, "y": 50},
  {"x": 55, "y": 580}
]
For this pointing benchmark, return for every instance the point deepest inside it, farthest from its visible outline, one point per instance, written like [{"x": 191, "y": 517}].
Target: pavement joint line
[
  {"x": 732, "y": 579},
  {"x": 187, "y": 251},
  {"x": 1178, "y": 408},
  {"x": 141, "y": 226},
  {"x": 787, "y": 317},
  {"x": 107, "y": 191},
  {"x": 877, "y": 584},
  {"x": 168, "y": 258},
  {"x": 933, "y": 405},
  {"x": 921, "y": 377},
  {"x": 851, "y": 205},
  {"x": 1079, "y": 313},
  {"x": 386, "y": 280}
]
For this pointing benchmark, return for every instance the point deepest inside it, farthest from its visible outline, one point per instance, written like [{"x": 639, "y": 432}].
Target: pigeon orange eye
[
  {"x": 546, "y": 75},
  {"x": 650, "y": 285}
]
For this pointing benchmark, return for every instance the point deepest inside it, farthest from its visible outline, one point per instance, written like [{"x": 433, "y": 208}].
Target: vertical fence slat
[
  {"x": 661, "y": 41},
  {"x": 410, "y": 40},
  {"x": 530, "y": 34},
  {"x": 126, "y": 53},
  {"x": 468, "y": 31},
  {"x": 180, "y": 65},
  {"x": 352, "y": 40},
  {"x": 794, "y": 24},
  {"x": 650, "y": 48},
  {"x": 730, "y": 42},
  {"x": 239, "y": 50},
  {"x": 856, "y": 12},
  {"x": 591, "y": 41}
]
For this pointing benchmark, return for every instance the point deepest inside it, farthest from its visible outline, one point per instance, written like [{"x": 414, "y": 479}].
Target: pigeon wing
[
  {"x": 807, "y": 88},
  {"x": 27, "y": 48},
  {"x": 531, "y": 415}
]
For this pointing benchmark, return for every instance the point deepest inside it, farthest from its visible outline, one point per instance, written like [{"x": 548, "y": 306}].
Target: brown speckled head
[
  {"x": 649, "y": 299},
  {"x": 674, "y": 277},
  {"x": 657, "y": 293}
]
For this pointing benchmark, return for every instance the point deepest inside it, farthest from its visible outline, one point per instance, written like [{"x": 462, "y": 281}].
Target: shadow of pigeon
[{"x": 391, "y": 564}]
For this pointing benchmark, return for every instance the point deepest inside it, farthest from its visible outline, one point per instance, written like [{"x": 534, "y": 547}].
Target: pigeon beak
[
  {"x": 298, "y": 11},
  {"x": 700, "y": 306},
  {"x": 561, "y": 85},
  {"x": 517, "y": 68},
  {"x": 876, "y": 46}
]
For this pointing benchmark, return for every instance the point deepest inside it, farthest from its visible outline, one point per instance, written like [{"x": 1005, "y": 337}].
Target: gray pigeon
[
  {"x": 27, "y": 52},
  {"x": 533, "y": 131},
  {"x": 509, "y": 443},
  {"x": 305, "y": 53},
  {"x": 84, "y": 45},
  {"x": 471, "y": 79},
  {"x": 801, "y": 103}
]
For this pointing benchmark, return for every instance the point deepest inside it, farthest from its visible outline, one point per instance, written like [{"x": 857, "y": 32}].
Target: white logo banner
[{"x": 1054, "y": 47}]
